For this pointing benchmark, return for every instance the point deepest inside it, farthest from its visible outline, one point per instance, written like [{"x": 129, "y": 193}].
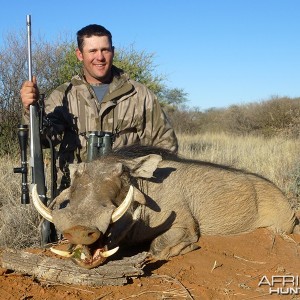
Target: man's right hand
[{"x": 29, "y": 92}]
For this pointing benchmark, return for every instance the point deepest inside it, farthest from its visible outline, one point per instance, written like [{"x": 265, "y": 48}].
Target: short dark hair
[{"x": 91, "y": 30}]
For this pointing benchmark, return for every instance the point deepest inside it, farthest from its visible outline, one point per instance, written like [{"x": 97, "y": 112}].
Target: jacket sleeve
[
  {"x": 158, "y": 131},
  {"x": 25, "y": 116},
  {"x": 56, "y": 113}
]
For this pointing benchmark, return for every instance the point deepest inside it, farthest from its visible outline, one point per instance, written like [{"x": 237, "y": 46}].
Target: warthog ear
[
  {"x": 76, "y": 169},
  {"x": 143, "y": 166}
]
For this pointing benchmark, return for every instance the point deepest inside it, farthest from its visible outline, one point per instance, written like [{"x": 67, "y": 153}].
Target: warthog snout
[{"x": 82, "y": 235}]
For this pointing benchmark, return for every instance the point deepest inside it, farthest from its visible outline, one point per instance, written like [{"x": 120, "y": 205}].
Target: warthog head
[{"x": 102, "y": 203}]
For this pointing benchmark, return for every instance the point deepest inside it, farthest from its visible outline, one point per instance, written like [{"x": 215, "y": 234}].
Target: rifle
[{"x": 47, "y": 229}]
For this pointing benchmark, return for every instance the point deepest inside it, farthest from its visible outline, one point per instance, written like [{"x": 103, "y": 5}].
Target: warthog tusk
[
  {"x": 121, "y": 210},
  {"x": 61, "y": 252},
  {"x": 40, "y": 206},
  {"x": 70, "y": 254},
  {"x": 109, "y": 252}
]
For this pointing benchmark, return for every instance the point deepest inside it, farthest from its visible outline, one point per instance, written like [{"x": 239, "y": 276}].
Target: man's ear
[
  {"x": 144, "y": 166},
  {"x": 79, "y": 54}
]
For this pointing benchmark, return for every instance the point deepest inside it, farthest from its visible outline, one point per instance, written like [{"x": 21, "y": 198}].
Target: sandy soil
[{"x": 223, "y": 268}]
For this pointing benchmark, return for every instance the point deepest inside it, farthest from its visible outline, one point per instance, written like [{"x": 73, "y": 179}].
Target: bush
[{"x": 276, "y": 116}]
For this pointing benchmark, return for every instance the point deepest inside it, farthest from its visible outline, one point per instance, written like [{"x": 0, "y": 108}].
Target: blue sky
[{"x": 221, "y": 52}]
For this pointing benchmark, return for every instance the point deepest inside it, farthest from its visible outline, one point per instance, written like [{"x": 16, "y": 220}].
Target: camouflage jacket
[{"x": 129, "y": 110}]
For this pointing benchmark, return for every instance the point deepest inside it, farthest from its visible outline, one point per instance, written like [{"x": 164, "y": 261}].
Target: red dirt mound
[{"x": 223, "y": 268}]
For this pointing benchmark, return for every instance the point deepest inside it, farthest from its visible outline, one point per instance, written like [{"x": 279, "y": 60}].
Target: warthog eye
[{"x": 92, "y": 235}]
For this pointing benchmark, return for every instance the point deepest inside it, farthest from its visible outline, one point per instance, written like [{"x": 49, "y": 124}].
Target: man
[{"x": 103, "y": 98}]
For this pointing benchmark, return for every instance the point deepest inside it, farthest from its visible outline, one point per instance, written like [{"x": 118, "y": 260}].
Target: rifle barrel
[{"x": 28, "y": 23}]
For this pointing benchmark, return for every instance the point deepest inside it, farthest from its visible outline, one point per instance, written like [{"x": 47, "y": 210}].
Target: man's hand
[{"x": 29, "y": 92}]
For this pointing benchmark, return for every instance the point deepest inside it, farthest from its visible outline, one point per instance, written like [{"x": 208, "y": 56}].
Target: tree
[
  {"x": 47, "y": 61},
  {"x": 70, "y": 65},
  {"x": 173, "y": 97},
  {"x": 12, "y": 73},
  {"x": 140, "y": 67}
]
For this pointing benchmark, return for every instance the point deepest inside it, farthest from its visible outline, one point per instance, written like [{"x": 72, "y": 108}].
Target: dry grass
[
  {"x": 277, "y": 159},
  {"x": 18, "y": 222}
]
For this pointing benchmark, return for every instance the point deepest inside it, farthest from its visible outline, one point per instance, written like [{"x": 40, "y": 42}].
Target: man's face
[{"x": 97, "y": 57}]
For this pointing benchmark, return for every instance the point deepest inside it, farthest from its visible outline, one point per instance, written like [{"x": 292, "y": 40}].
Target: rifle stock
[{"x": 38, "y": 171}]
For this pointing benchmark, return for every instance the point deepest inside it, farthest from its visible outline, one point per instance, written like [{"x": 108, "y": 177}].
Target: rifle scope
[{"x": 23, "y": 141}]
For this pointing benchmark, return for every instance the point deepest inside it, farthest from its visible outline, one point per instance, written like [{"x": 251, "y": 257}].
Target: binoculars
[{"x": 99, "y": 144}]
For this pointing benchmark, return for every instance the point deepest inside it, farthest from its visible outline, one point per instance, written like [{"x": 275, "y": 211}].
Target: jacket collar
[{"x": 119, "y": 86}]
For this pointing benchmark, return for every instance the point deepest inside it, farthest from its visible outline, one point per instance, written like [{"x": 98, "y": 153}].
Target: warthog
[{"x": 169, "y": 202}]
